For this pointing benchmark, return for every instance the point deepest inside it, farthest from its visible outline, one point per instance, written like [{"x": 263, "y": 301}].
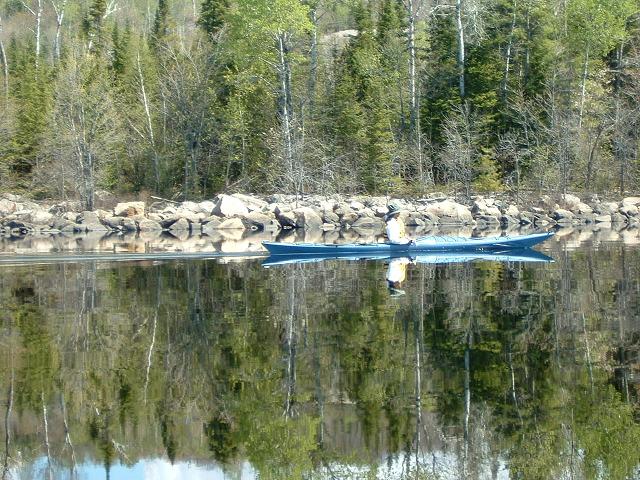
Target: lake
[{"x": 221, "y": 368}]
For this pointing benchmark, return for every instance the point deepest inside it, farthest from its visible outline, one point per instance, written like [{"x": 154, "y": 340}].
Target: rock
[
  {"x": 307, "y": 218},
  {"x": 207, "y": 207},
  {"x": 192, "y": 207},
  {"x": 113, "y": 223},
  {"x": 562, "y": 214},
  {"x": 228, "y": 206},
  {"x": 253, "y": 204},
  {"x": 231, "y": 224},
  {"x": 356, "y": 206},
  {"x": 609, "y": 208},
  {"x": 129, "y": 225},
  {"x": 450, "y": 212},
  {"x": 211, "y": 227},
  {"x": 583, "y": 208},
  {"x": 287, "y": 219},
  {"x": 570, "y": 202},
  {"x": 635, "y": 201},
  {"x": 628, "y": 210},
  {"x": 488, "y": 219},
  {"x": 193, "y": 217},
  {"x": 41, "y": 217},
  {"x": 179, "y": 225},
  {"x": 617, "y": 217},
  {"x": 71, "y": 228},
  {"x": 7, "y": 207},
  {"x": 330, "y": 217},
  {"x": 259, "y": 221},
  {"x": 94, "y": 227},
  {"x": 603, "y": 219},
  {"x": 327, "y": 227},
  {"x": 543, "y": 220},
  {"x": 167, "y": 223},
  {"x": 71, "y": 216},
  {"x": 88, "y": 217},
  {"x": 147, "y": 225},
  {"x": 373, "y": 223},
  {"x": 511, "y": 211},
  {"x": 507, "y": 220},
  {"x": 129, "y": 209}
]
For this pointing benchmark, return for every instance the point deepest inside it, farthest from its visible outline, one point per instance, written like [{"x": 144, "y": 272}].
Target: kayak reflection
[{"x": 511, "y": 255}]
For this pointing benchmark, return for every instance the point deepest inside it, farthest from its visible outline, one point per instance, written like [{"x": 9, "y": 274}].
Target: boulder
[
  {"x": 570, "y": 202},
  {"x": 583, "y": 208},
  {"x": 228, "y": 206},
  {"x": 253, "y": 204},
  {"x": 348, "y": 218},
  {"x": 307, "y": 218},
  {"x": 179, "y": 225},
  {"x": 562, "y": 214},
  {"x": 129, "y": 225},
  {"x": 88, "y": 217},
  {"x": 259, "y": 221},
  {"x": 207, "y": 207},
  {"x": 192, "y": 207},
  {"x": 511, "y": 211},
  {"x": 104, "y": 199},
  {"x": 129, "y": 209},
  {"x": 113, "y": 223},
  {"x": 94, "y": 227},
  {"x": 147, "y": 225},
  {"x": 366, "y": 222},
  {"x": 602, "y": 219},
  {"x": 450, "y": 212},
  {"x": 635, "y": 201},
  {"x": 608, "y": 208},
  {"x": 617, "y": 217},
  {"x": 231, "y": 224},
  {"x": 167, "y": 222},
  {"x": 7, "y": 207},
  {"x": 628, "y": 210},
  {"x": 329, "y": 216},
  {"x": 211, "y": 227},
  {"x": 286, "y": 218},
  {"x": 40, "y": 217}
]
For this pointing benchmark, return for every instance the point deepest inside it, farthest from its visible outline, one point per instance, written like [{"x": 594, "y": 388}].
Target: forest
[{"x": 185, "y": 99}]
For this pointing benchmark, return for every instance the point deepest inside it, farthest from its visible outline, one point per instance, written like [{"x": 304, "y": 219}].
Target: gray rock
[
  {"x": 147, "y": 225},
  {"x": 129, "y": 225},
  {"x": 104, "y": 199},
  {"x": 129, "y": 209},
  {"x": 562, "y": 214},
  {"x": 87, "y": 217},
  {"x": 207, "y": 207},
  {"x": 635, "y": 201},
  {"x": 307, "y": 218},
  {"x": 450, "y": 212},
  {"x": 617, "y": 217},
  {"x": 253, "y": 204},
  {"x": 228, "y": 206},
  {"x": 71, "y": 228},
  {"x": 348, "y": 218},
  {"x": 330, "y": 217},
  {"x": 603, "y": 219},
  {"x": 7, "y": 207},
  {"x": 167, "y": 222},
  {"x": 211, "y": 227},
  {"x": 40, "y": 217},
  {"x": 287, "y": 219},
  {"x": 180, "y": 225},
  {"x": 259, "y": 221},
  {"x": 628, "y": 210},
  {"x": 373, "y": 223},
  {"x": 113, "y": 223},
  {"x": 231, "y": 224},
  {"x": 94, "y": 227},
  {"x": 488, "y": 219}
]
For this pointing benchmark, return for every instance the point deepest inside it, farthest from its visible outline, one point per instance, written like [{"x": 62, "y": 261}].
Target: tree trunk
[
  {"x": 507, "y": 66},
  {"x": 284, "y": 72},
  {"x": 7, "y": 428},
  {"x": 414, "y": 113},
  {"x": 5, "y": 68},
  {"x": 59, "y": 11},
  {"x": 147, "y": 112},
  {"x": 461, "y": 47},
  {"x": 583, "y": 88}
]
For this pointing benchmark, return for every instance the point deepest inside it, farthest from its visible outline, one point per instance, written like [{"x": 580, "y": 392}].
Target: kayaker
[{"x": 395, "y": 227}]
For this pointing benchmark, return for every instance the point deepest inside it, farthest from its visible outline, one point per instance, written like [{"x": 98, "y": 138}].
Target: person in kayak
[{"x": 395, "y": 227}]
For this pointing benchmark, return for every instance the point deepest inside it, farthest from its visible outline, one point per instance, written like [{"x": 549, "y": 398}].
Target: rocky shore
[{"x": 239, "y": 212}]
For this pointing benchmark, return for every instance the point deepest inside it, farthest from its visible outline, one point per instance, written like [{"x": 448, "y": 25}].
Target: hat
[{"x": 393, "y": 210}]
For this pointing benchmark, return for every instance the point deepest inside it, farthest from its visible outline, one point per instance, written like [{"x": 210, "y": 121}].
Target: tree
[
  {"x": 212, "y": 16},
  {"x": 86, "y": 132}
]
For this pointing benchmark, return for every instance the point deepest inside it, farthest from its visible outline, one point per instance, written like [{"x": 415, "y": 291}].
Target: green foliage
[{"x": 212, "y": 15}]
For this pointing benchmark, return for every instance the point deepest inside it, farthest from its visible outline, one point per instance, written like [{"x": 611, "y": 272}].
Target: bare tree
[
  {"x": 5, "y": 67},
  {"x": 85, "y": 123},
  {"x": 460, "y": 149},
  {"x": 59, "y": 9},
  {"x": 36, "y": 11}
]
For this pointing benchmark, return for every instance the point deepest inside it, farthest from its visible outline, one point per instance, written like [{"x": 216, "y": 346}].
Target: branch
[{"x": 28, "y": 8}]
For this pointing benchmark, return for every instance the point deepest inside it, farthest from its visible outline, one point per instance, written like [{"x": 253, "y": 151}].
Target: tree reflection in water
[{"x": 481, "y": 370}]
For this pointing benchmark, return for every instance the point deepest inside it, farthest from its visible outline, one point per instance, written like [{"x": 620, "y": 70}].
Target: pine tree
[
  {"x": 93, "y": 24},
  {"x": 212, "y": 15},
  {"x": 161, "y": 22}
]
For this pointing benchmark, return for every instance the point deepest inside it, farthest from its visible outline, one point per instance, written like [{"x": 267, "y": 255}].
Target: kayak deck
[{"x": 423, "y": 244}]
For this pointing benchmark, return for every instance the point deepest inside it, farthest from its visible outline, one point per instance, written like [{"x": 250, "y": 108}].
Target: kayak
[
  {"x": 436, "y": 258},
  {"x": 422, "y": 244}
]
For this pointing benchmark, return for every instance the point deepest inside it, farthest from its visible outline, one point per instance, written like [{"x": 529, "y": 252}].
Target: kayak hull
[{"x": 424, "y": 244}]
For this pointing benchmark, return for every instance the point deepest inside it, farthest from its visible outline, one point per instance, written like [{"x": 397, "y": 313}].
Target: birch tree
[
  {"x": 36, "y": 10},
  {"x": 5, "y": 67}
]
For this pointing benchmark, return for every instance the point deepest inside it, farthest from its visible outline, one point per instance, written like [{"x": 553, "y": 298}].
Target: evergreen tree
[
  {"x": 212, "y": 15},
  {"x": 161, "y": 22}
]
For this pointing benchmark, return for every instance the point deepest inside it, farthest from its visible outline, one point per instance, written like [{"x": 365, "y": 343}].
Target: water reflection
[{"x": 186, "y": 368}]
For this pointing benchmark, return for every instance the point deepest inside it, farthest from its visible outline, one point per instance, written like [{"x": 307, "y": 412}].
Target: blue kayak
[
  {"x": 434, "y": 258},
  {"x": 423, "y": 244}
]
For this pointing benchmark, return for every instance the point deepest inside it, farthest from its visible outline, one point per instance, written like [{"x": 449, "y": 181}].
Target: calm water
[{"x": 204, "y": 369}]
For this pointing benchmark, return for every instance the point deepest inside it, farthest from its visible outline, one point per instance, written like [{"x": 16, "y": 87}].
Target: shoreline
[{"x": 228, "y": 215}]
